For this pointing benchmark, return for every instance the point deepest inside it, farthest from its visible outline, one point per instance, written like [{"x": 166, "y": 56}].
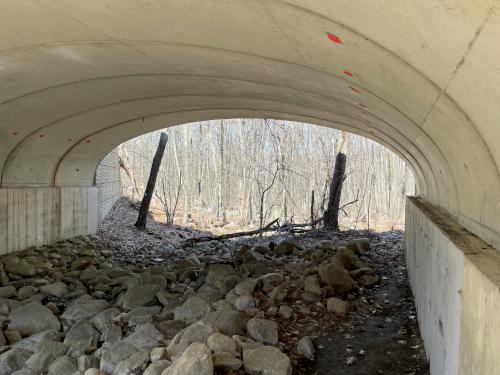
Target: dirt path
[{"x": 382, "y": 336}]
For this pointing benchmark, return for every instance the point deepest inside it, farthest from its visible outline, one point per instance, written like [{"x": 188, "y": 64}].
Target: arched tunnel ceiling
[{"x": 423, "y": 78}]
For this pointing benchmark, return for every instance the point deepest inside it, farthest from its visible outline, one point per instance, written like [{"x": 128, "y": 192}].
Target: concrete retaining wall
[
  {"x": 455, "y": 278},
  {"x": 37, "y": 216}
]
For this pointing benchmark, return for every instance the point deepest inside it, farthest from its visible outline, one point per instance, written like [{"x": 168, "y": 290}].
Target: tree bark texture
[
  {"x": 331, "y": 217},
  {"x": 150, "y": 187}
]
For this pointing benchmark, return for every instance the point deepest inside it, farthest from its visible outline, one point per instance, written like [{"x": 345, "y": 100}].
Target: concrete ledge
[
  {"x": 455, "y": 277},
  {"x": 38, "y": 216}
]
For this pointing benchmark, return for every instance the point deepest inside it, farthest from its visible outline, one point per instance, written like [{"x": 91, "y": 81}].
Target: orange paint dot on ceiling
[
  {"x": 347, "y": 73},
  {"x": 334, "y": 38},
  {"x": 15, "y": 133},
  {"x": 87, "y": 141},
  {"x": 41, "y": 135},
  {"x": 70, "y": 139},
  {"x": 362, "y": 105},
  {"x": 354, "y": 89}
]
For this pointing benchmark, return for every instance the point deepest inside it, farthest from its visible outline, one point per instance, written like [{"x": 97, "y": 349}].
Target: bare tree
[
  {"x": 331, "y": 216},
  {"x": 150, "y": 187}
]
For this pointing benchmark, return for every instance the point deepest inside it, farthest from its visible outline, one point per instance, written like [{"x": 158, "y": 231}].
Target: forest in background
[{"x": 224, "y": 174}]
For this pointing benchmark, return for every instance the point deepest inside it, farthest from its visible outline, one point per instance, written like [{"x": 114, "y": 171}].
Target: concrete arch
[{"x": 421, "y": 77}]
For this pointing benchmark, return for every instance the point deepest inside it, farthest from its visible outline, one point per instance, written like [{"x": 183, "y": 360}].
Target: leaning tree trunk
[
  {"x": 150, "y": 187},
  {"x": 331, "y": 217}
]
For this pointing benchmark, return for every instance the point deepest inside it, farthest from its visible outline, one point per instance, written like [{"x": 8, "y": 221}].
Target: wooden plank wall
[{"x": 39, "y": 216}]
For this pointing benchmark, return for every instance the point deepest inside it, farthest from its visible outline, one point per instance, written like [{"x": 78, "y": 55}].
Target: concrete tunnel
[{"x": 422, "y": 78}]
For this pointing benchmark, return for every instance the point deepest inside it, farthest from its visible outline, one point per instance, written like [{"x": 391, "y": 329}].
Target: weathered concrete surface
[
  {"x": 38, "y": 216},
  {"x": 420, "y": 77},
  {"x": 456, "y": 282}
]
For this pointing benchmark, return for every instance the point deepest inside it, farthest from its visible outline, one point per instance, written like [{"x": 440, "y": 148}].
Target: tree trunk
[
  {"x": 150, "y": 187},
  {"x": 331, "y": 217}
]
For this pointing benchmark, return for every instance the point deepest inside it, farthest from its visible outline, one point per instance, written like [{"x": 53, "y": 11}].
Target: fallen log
[{"x": 268, "y": 228}]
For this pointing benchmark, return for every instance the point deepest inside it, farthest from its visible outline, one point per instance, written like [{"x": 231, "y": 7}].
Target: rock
[
  {"x": 85, "y": 362},
  {"x": 135, "y": 364},
  {"x": 278, "y": 294},
  {"x": 34, "y": 342},
  {"x": 196, "y": 360},
  {"x": 266, "y": 360},
  {"x": 369, "y": 280},
  {"x": 167, "y": 299},
  {"x": 138, "y": 296},
  {"x": 196, "y": 332},
  {"x": 226, "y": 361},
  {"x": 263, "y": 330},
  {"x": 158, "y": 353},
  {"x": 156, "y": 368},
  {"x": 346, "y": 258},
  {"x": 228, "y": 322},
  {"x": 286, "y": 247},
  {"x": 244, "y": 303},
  {"x": 362, "y": 272},
  {"x": 311, "y": 285},
  {"x": 19, "y": 267},
  {"x": 94, "y": 371},
  {"x": 104, "y": 319},
  {"x": 193, "y": 309},
  {"x": 145, "y": 337},
  {"x": 57, "y": 289},
  {"x": 305, "y": 347},
  {"x": 81, "y": 336},
  {"x": 46, "y": 353},
  {"x": 285, "y": 312},
  {"x": 115, "y": 354},
  {"x": 84, "y": 307},
  {"x": 219, "y": 343},
  {"x": 63, "y": 366},
  {"x": 12, "y": 337},
  {"x": 359, "y": 245},
  {"x": 216, "y": 273},
  {"x": 257, "y": 268},
  {"x": 336, "y": 277},
  {"x": 26, "y": 292},
  {"x": 337, "y": 306},
  {"x": 13, "y": 360},
  {"x": 209, "y": 293},
  {"x": 33, "y": 318},
  {"x": 309, "y": 297},
  {"x": 246, "y": 287},
  {"x": 7, "y": 292}
]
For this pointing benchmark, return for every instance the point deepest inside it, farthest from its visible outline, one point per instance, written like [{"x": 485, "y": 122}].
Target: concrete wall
[
  {"x": 455, "y": 279},
  {"x": 108, "y": 180},
  {"x": 37, "y": 216}
]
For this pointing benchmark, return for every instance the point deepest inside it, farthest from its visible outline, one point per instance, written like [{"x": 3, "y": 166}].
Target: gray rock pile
[{"x": 71, "y": 309}]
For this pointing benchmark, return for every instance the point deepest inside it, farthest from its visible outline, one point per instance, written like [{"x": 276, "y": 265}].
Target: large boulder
[
  {"x": 286, "y": 247},
  {"x": 63, "y": 366},
  {"x": 196, "y": 360},
  {"x": 337, "y": 306},
  {"x": 266, "y": 360},
  {"x": 13, "y": 360},
  {"x": 311, "y": 285},
  {"x": 46, "y": 353},
  {"x": 33, "y": 318},
  {"x": 145, "y": 337},
  {"x": 345, "y": 258},
  {"x": 81, "y": 336},
  {"x": 228, "y": 322},
  {"x": 84, "y": 307},
  {"x": 359, "y": 245},
  {"x": 336, "y": 277},
  {"x": 139, "y": 296},
  {"x": 196, "y": 332},
  {"x": 114, "y": 355},
  {"x": 19, "y": 267},
  {"x": 193, "y": 309},
  {"x": 135, "y": 364},
  {"x": 263, "y": 330}
]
